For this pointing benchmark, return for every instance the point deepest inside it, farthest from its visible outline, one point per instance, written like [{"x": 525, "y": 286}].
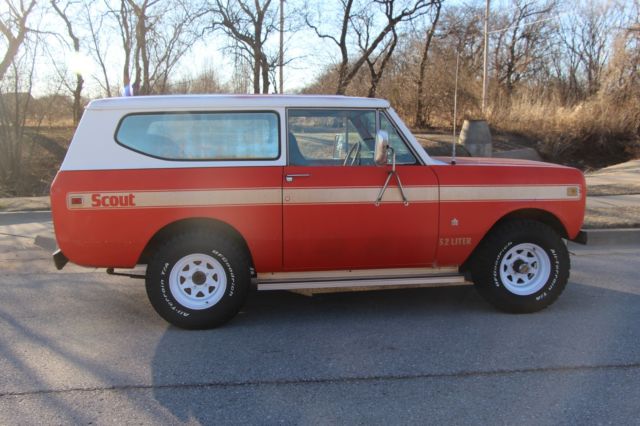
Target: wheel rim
[
  {"x": 197, "y": 281},
  {"x": 525, "y": 269}
]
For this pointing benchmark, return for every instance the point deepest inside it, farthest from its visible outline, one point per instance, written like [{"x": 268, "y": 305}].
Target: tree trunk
[
  {"x": 14, "y": 41},
  {"x": 265, "y": 74},
  {"x": 77, "y": 99},
  {"x": 420, "y": 120},
  {"x": 343, "y": 82},
  {"x": 373, "y": 88},
  {"x": 126, "y": 44},
  {"x": 376, "y": 75},
  {"x": 257, "y": 62},
  {"x": 77, "y": 92}
]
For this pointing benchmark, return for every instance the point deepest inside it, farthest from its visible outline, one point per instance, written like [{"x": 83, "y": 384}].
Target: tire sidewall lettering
[
  {"x": 495, "y": 272},
  {"x": 547, "y": 289},
  {"x": 166, "y": 293},
  {"x": 555, "y": 269},
  {"x": 231, "y": 276}
]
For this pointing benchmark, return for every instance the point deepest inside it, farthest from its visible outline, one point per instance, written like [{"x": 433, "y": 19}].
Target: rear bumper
[
  {"x": 59, "y": 259},
  {"x": 581, "y": 238}
]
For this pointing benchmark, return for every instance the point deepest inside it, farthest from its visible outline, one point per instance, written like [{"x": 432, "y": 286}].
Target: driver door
[{"x": 330, "y": 186}]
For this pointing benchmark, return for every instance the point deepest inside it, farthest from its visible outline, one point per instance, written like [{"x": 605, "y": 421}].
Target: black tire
[
  {"x": 512, "y": 284},
  {"x": 223, "y": 282}
]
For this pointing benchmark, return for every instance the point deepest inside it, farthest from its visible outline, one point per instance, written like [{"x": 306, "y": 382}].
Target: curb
[{"x": 613, "y": 237}]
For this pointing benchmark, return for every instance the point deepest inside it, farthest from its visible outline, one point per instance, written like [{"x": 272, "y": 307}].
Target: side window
[
  {"x": 202, "y": 136},
  {"x": 403, "y": 154},
  {"x": 325, "y": 137}
]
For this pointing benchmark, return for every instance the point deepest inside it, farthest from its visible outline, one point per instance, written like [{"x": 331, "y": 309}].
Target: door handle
[{"x": 289, "y": 178}]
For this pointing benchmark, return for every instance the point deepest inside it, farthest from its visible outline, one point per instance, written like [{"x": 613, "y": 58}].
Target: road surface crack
[{"x": 332, "y": 380}]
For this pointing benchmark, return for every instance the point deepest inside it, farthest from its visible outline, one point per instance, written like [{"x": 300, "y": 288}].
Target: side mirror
[{"x": 381, "y": 154}]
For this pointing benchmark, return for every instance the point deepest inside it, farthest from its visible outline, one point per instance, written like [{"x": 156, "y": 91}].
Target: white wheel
[
  {"x": 525, "y": 269},
  {"x": 197, "y": 281}
]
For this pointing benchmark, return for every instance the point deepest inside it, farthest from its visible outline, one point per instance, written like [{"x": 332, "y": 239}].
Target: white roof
[{"x": 235, "y": 101}]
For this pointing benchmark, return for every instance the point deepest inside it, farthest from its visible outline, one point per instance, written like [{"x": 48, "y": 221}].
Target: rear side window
[{"x": 202, "y": 136}]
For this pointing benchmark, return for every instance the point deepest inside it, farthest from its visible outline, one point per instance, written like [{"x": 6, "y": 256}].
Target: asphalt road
[{"x": 81, "y": 347}]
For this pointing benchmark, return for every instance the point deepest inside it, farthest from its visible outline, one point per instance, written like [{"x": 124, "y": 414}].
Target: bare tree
[
  {"x": 248, "y": 25},
  {"x": 95, "y": 23},
  {"x": 13, "y": 26},
  {"x": 564, "y": 65},
  {"x": 522, "y": 42},
  {"x": 363, "y": 26},
  {"x": 76, "y": 91},
  {"x": 242, "y": 77},
  {"x": 621, "y": 77},
  {"x": 395, "y": 12},
  {"x": 205, "y": 80},
  {"x": 126, "y": 23},
  {"x": 587, "y": 37},
  {"x": 15, "y": 103},
  {"x": 462, "y": 32},
  {"x": 422, "y": 71},
  {"x": 155, "y": 35},
  {"x": 16, "y": 80},
  {"x": 375, "y": 72}
]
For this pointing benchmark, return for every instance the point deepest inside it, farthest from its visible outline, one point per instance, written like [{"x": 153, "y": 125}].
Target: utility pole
[
  {"x": 485, "y": 72},
  {"x": 281, "y": 46}
]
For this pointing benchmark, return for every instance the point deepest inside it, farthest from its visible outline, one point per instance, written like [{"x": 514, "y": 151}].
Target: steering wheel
[{"x": 355, "y": 148}]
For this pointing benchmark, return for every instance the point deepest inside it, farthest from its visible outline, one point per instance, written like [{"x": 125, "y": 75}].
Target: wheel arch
[
  {"x": 538, "y": 215},
  {"x": 190, "y": 224}
]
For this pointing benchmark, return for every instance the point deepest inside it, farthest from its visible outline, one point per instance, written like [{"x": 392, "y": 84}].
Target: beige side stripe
[
  {"x": 510, "y": 193},
  {"x": 415, "y": 194},
  {"x": 298, "y": 196},
  {"x": 179, "y": 198}
]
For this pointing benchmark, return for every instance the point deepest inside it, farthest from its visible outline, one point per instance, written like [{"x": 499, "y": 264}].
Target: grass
[
  {"x": 590, "y": 135},
  {"x": 614, "y": 217},
  {"x": 40, "y": 161},
  {"x": 614, "y": 189},
  {"x": 24, "y": 204}
]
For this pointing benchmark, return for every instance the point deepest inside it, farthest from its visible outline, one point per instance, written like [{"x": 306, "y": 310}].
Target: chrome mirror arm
[{"x": 392, "y": 173}]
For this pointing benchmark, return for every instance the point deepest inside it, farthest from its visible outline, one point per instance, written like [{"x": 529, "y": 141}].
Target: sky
[
  {"x": 308, "y": 54},
  {"x": 305, "y": 56}
]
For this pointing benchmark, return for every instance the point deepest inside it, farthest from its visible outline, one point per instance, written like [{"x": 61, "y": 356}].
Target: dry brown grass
[
  {"x": 40, "y": 162},
  {"x": 614, "y": 217},
  {"x": 593, "y": 134},
  {"x": 614, "y": 189},
  {"x": 17, "y": 204}
]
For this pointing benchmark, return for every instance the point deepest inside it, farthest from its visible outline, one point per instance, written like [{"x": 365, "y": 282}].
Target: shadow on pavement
[{"x": 283, "y": 340}]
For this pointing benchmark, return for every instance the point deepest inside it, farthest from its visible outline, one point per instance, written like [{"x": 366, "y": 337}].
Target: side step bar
[{"x": 337, "y": 281}]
